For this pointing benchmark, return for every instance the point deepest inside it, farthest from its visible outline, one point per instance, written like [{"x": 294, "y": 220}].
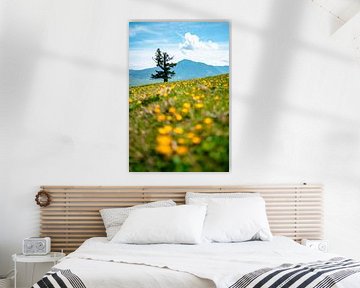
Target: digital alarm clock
[{"x": 36, "y": 246}]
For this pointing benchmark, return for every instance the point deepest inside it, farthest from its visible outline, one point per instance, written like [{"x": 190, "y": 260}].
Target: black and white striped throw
[
  {"x": 320, "y": 274},
  {"x": 57, "y": 278}
]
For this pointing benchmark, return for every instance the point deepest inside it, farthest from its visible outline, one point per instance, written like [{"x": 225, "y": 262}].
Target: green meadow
[{"x": 180, "y": 126}]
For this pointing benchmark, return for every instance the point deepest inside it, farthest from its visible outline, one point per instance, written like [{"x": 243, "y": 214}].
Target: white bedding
[{"x": 100, "y": 263}]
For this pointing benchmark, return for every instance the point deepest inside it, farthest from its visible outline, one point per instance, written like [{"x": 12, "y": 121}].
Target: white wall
[{"x": 63, "y": 87}]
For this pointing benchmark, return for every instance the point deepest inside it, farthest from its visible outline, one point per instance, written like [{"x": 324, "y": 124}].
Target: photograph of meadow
[{"x": 179, "y": 96}]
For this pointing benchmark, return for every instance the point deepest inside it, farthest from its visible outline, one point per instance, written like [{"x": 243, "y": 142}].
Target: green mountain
[{"x": 185, "y": 69}]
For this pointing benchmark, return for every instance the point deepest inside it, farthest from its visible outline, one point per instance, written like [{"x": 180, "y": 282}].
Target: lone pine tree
[{"x": 163, "y": 61}]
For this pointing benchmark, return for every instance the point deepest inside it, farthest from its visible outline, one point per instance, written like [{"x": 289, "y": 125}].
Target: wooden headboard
[{"x": 73, "y": 215}]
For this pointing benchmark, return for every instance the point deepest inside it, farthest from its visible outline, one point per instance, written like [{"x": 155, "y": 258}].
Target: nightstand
[
  {"x": 53, "y": 257},
  {"x": 320, "y": 245}
]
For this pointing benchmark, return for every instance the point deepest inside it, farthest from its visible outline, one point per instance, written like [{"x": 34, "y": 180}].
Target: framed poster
[{"x": 179, "y": 96}]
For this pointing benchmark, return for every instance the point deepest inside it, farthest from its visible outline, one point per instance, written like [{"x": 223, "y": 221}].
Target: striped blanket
[
  {"x": 320, "y": 274},
  {"x": 57, "y": 278}
]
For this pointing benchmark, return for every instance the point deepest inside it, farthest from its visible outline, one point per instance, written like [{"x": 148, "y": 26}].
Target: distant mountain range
[{"x": 185, "y": 69}]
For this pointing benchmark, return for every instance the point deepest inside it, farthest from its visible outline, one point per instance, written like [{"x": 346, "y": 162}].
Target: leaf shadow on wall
[{"x": 268, "y": 100}]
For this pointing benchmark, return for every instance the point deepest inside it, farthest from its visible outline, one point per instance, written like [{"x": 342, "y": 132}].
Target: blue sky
[{"x": 206, "y": 42}]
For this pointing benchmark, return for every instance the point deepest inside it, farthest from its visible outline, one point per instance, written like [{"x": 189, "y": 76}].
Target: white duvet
[{"x": 100, "y": 263}]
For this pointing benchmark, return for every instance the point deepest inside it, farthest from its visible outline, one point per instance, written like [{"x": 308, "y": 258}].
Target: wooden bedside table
[{"x": 53, "y": 257}]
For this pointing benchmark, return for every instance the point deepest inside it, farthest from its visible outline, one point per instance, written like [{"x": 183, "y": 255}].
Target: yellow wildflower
[
  {"x": 199, "y": 105},
  {"x": 179, "y": 130},
  {"x": 157, "y": 109},
  {"x": 208, "y": 121},
  {"x": 198, "y": 127},
  {"x": 164, "y": 149},
  {"x": 181, "y": 141},
  {"x": 172, "y": 110},
  {"x": 196, "y": 140},
  {"x": 161, "y": 118},
  {"x": 190, "y": 135},
  {"x": 138, "y": 102},
  {"x": 185, "y": 110},
  {"x": 178, "y": 117},
  {"x": 163, "y": 140},
  {"x": 130, "y": 100},
  {"x": 186, "y": 105},
  {"x": 164, "y": 91},
  {"x": 181, "y": 150},
  {"x": 217, "y": 98},
  {"x": 165, "y": 130},
  {"x": 169, "y": 118}
]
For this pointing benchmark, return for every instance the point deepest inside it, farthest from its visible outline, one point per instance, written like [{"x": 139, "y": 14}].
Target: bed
[
  {"x": 99, "y": 263},
  {"x": 294, "y": 212}
]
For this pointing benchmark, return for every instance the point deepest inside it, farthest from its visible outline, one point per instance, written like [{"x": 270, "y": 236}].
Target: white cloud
[
  {"x": 193, "y": 42},
  {"x": 141, "y": 59},
  {"x": 140, "y": 28}
]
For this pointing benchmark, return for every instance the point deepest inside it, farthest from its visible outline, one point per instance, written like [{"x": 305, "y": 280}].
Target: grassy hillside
[{"x": 180, "y": 126}]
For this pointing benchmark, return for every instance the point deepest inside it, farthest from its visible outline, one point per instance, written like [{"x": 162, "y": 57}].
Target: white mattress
[
  {"x": 107, "y": 274},
  {"x": 122, "y": 275},
  {"x": 102, "y": 264}
]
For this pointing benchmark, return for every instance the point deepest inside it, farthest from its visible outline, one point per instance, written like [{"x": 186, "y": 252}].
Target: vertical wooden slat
[{"x": 73, "y": 215}]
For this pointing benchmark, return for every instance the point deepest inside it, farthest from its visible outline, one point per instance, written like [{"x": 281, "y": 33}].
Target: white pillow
[
  {"x": 203, "y": 198},
  {"x": 113, "y": 218},
  {"x": 180, "y": 224},
  {"x": 236, "y": 220}
]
